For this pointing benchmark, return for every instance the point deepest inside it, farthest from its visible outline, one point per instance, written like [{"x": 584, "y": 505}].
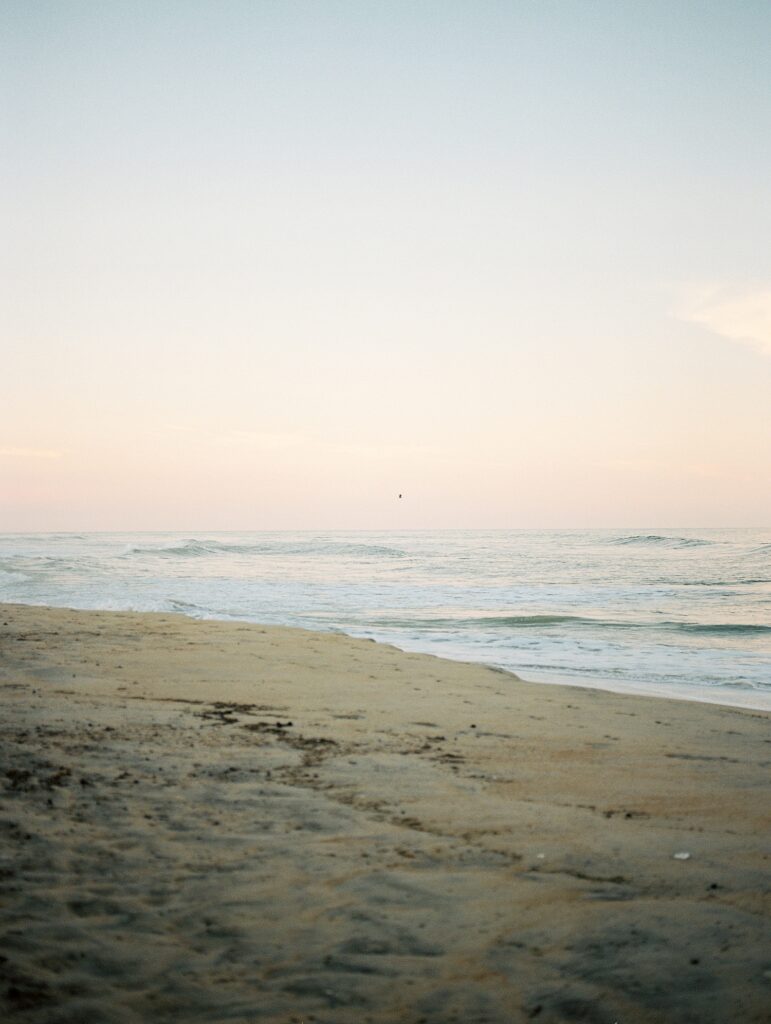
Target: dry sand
[{"x": 220, "y": 822}]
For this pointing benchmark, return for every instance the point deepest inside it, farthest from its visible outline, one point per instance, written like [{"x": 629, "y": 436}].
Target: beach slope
[{"x": 222, "y": 822}]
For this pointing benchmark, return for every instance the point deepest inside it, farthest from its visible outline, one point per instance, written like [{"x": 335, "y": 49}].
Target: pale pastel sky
[{"x": 268, "y": 264}]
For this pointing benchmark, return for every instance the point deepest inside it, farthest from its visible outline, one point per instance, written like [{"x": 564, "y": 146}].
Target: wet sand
[{"x": 220, "y": 822}]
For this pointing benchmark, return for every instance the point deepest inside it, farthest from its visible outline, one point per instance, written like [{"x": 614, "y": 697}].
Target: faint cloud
[
  {"x": 31, "y": 453},
  {"x": 742, "y": 315}
]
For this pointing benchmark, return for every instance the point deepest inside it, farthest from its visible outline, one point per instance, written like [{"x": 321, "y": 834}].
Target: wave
[
  {"x": 362, "y": 550},
  {"x": 518, "y": 621},
  {"x": 720, "y": 628},
  {"x": 761, "y": 549},
  {"x": 194, "y": 548},
  {"x": 188, "y": 608},
  {"x": 504, "y": 622},
  {"x": 188, "y": 549},
  {"x": 650, "y": 539},
  {"x": 715, "y": 583},
  {"x": 492, "y": 622},
  {"x": 36, "y": 564},
  {"x": 13, "y": 575}
]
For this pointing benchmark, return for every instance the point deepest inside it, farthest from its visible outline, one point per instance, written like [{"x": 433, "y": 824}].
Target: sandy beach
[{"x": 220, "y": 822}]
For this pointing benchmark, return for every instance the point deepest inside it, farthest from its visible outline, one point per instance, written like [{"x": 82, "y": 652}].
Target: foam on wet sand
[{"x": 224, "y": 822}]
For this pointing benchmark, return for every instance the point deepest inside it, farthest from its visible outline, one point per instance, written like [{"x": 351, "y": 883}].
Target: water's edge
[{"x": 633, "y": 689}]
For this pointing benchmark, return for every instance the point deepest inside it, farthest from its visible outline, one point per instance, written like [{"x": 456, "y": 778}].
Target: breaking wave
[
  {"x": 194, "y": 548},
  {"x": 651, "y": 539}
]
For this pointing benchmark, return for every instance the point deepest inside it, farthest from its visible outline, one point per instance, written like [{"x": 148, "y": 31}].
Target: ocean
[{"x": 683, "y": 613}]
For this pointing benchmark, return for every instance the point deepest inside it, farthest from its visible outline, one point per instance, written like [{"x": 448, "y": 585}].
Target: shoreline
[
  {"x": 208, "y": 821},
  {"x": 749, "y": 700}
]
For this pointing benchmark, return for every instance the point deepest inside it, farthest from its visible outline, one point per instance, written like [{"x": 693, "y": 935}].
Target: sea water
[{"x": 683, "y": 613}]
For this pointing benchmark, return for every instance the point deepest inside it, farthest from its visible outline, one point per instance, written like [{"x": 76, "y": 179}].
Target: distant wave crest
[
  {"x": 194, "y": 548},
  {"x": 650, "y": 539},
  {"x": 187, "y": 549}
]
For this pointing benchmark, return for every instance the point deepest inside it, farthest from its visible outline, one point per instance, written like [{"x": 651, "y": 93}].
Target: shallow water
[{"x": 676, "y": 612}]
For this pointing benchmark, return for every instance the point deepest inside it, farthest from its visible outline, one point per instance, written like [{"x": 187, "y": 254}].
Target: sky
[{"x": 270, "y": 264}]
